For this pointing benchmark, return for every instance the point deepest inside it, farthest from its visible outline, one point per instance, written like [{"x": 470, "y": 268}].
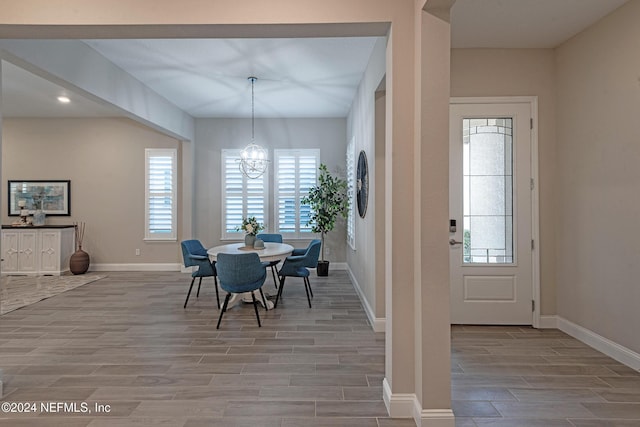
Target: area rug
[{"x": 19, "y": 291}]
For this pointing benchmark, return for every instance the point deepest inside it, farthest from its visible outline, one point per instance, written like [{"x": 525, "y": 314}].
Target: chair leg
[
  {"x": 199, "y": 283},
  {"x": 189, "y": 293},
  {"x": 264, "y": 300},
  {"x": 215, "y": 280},
  {"x": 279, "y": 291},
  {"x": 224, "y": 308},
  {"x": 309, "y": 284},
  {"x": 255, "y": 307},
  {"x": 306, "y": 289},
  {"x": 273, "y": 272}
]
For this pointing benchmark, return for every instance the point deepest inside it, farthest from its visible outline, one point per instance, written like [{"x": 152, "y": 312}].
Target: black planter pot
[{"x": 323, "y": 268}]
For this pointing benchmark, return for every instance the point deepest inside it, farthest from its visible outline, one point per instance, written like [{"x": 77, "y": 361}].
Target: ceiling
[
  {"x": 523, "y": 23},
  {"x": 26, "y": 95},
  {"x": 303, "y": 77}
]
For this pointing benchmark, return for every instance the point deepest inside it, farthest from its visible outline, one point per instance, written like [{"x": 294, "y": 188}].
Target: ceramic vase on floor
[{"x": 79, "y": 261}]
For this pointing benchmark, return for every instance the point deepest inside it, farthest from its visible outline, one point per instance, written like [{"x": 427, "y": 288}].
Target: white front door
[{"x": 491, "y": 205}]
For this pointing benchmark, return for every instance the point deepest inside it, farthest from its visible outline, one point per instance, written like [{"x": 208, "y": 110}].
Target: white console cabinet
[{"x": 37, "y": 250}]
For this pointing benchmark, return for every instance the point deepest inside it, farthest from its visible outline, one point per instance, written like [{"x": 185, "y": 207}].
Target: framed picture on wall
[{"x": 50, "y": 196}]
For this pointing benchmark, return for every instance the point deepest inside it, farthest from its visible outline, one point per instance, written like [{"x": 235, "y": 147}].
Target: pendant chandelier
[{"x": 253, "y": 158}]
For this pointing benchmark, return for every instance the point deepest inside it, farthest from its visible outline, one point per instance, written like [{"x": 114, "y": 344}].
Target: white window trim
[
  {"x": 173, "y": 235},
  {"x": 297, "y": 235},
  {"x": 351, "y": 185},
  {"x": 239, "y": 235}
]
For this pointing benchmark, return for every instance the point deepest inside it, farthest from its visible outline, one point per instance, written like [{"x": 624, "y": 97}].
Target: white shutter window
[
  {"x": 160, "y": 194},
  {"x": 241, "y": 196},
  {"x": 295, "y": 172},
  {"x": 351, "y": 179}
]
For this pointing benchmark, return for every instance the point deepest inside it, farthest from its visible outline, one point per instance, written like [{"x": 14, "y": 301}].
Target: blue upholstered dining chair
[
  {"x": 195, "y": 255},
  {"x": 272, "y": 238},
  {"x": 299, "y": 251},
  {"x": 297, "y": 266},
  {"x": 239, "y": 273},
  {"x": 302, "y": 251}
]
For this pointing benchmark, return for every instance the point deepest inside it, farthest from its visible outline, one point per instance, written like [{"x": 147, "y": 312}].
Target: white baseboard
[
  {"x": 169, "y": 267},
  {"x": 136, "y": 267},
  {"x": 399, "y": 405},
  {"x": 433, "y": 417},
  {"x": 377, "y": 323},
  {"x": 600, "y": 343},
  {"x": 406, "y": 405},
  {"x": 548, "y": 322},
  {"x": 338, "y": 266}
]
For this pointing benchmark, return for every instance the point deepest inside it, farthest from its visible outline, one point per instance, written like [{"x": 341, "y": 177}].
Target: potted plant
[
  {"x": 327, "y": 200},
  {"x": 252, "y": 227}
]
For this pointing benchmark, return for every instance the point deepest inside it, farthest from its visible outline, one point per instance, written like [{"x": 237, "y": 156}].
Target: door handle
[{"x": 454, "y": 242}]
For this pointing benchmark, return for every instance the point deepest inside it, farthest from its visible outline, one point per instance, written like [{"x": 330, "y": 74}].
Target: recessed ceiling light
[{"x": 64, "y": 99}]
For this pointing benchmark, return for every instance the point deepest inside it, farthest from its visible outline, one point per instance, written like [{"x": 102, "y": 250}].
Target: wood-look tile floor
[
  {"x": 125, "y": 341},
  {"x": 520, "y": 377}
]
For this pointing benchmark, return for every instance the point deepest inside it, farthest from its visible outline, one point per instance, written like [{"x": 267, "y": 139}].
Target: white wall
[
  {"x": 597, "y": 181},
  {"x": 213, "y": 135},
  {"x": 104, "y": 159},
  {"x": 361, "y": 126}
]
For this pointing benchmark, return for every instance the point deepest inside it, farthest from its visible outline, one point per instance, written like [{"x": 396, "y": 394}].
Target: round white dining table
[{"x": 270, "y": 252}]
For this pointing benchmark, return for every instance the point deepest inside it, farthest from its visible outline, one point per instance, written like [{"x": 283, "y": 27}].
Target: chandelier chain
[
  {"x": 253, "y": 80},
  {"x": 253, "y": 158}
]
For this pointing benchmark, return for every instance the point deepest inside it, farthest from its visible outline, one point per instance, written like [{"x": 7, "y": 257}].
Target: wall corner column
[
  {"x": 399, "y": 382},
  {"x": 432, "y": 319},
  {"x": 417, "y": 380}
]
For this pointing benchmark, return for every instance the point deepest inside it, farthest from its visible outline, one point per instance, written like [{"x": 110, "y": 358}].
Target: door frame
[{"x": 535, "y": 209}]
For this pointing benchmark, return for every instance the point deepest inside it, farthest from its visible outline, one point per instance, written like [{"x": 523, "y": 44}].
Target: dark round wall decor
[{"x": 362, "y": 175}]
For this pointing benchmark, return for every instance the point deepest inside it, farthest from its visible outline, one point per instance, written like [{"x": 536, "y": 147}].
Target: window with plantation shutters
[
  {"x": 295, "y": 172},
  {"x": 351, "y": 179},
  {"x": 242, "y": 197},
  {"x": 160, "y": 194}
]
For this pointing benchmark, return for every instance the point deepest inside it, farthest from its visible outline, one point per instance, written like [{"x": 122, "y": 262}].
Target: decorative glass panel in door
[{"x": 488, "y": 190}]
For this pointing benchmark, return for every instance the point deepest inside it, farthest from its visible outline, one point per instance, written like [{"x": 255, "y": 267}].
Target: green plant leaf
[{"x": 327, "y": 200}]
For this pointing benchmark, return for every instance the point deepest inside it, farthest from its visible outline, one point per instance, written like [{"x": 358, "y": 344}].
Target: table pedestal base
[{"x": 246, "y": 297}]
